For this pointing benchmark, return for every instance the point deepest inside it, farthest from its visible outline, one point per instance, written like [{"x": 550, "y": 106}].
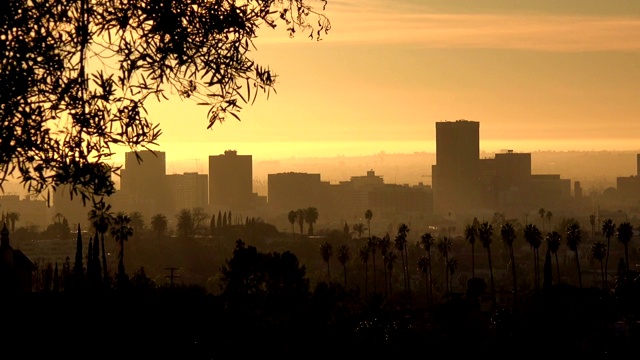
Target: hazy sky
[{"x": 536, "y": 74}]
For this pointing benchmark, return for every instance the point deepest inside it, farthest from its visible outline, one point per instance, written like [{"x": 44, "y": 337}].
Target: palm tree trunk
[
  {"x": 406, "y": 256},
  {"x": 578, "y": 265},
  {"x": 430, "y": 289},
  {"x": 374, "y": 272},
  {"x": 404, "y": 269},
  {"x": 606, "y": 263},
  {"x": 626, "y": 256},
  {"x": 557, "y": 268},
  {"x": 366, "y": 278},
  {"x": 446, "y": 273},
  {"x": 104, "y": 262},
  {"x": 493, "y": 288},
  {"x": 515, "y": 279},
  {"x": 473, "y": 261},
  {"x": 344, "y": 268},
  {"x": 604, "y": 283}
]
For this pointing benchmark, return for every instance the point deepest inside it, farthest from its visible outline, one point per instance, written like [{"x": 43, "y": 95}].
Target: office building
[
  {"x": 230, "y": 181},
  {"x": 188, "y": 191},
  {"x": 143, "y": 185},
  {"x": 456, "y": 174}
]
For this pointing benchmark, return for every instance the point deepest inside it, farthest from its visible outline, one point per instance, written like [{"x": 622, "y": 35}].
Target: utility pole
[{"x": 171, "y": 276}]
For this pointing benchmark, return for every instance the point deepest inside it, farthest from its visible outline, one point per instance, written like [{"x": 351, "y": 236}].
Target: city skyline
[{"x": 559, "y": 77}]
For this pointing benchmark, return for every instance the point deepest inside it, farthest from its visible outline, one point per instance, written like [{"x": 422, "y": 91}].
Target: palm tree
[
  {"x": 384, "y": 245},
  {"x": 401, "y": 245},
  {"x": 12, "y": 217},
  {"x": 359, "y": 228},
  {"x": 423, "y": 267},
  {"x": 326, "y": 251},
  {"x": 508, "y": 235},
  {"x": 452, "y": 266},
  {"x": 574, "y": 237},
  {"x": 444, "y": 247},
  {"x": 485, "y": 234},
  {"x": 549, "y": 216},
  {"x": 344, "y": 256},
  {"x": 101, "y": 219},
  {"x": 426, "y": 242},
  {"x": 159, "y": 225},
  {"x": 592, "y": 222},
  {"x": 364, "y": 252},
  {"x": 471, "y": 234},
  {"x": 185, "y": 225},
  {"x": 368, "y": 215},
  {"x": 608, "y": 230},
  {"x": 542, "y": 212},
  {"x": 389, "y": 261},
  {"x": 137, "y": 222},
  {"x": 311, "y": 216},
  {"x": 599, "y": 252},
  {"x": 624, "y": 234},
  {"x": 292, "y": 217},
  {"x": 372, "y": 244},
  {"x": 533, "y": 236},
  {"x": 121, "y": 231},
  {"x": 301, "y": 216},
  {"x": 553, "y": 244}
]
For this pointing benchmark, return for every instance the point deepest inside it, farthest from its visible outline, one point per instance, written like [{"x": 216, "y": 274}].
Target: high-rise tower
[
  {"x": 456, "y": 174},
  {"x": 230, "y": 181},
  {"x": 143, "y": 182}
]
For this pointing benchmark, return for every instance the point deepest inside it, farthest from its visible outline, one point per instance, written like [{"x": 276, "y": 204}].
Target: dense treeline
[{"x": 390, "y": 295}]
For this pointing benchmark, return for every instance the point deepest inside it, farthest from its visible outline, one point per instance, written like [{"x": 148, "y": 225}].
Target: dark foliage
[{"x": 76, "y": 75}]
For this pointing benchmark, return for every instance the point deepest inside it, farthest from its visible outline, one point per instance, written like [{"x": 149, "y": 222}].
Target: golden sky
[{"x": 536, "y": 74}]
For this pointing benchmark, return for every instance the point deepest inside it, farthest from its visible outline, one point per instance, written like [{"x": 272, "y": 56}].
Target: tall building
[
  {"x": 188, "y": 191},
  {"x": 230, "y": 181},
  {"x": 294, "y": 190},
  {"x": 143, "y": 185},
  {"x": 456, "y": 173}
]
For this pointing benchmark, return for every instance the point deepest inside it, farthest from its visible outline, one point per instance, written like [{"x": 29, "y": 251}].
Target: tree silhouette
[
  {"x": 78, "y": 266},
  {"x": 389, "y": 260},
  {"x": 471, "y": 235},
  {"x": 608, "y": 231},
  {"x": 574, "y": 237},
  {"x": 401, "y": 244},
  {"x": 326, "y": 251},
  {"x": 12, "y": 217},
  {"x": 444, "y": 248},
  {"x": 292, "y": 217},
  {"x": 384, "y": 245},
  {"x": 121, "y": 232},
  {"x": 364, "y": 252},
  {"x": 344, "y": 255},
  {"x": 624, "y": 235},
  {"x": 533, "y": 236},
  {"x": 368, "y": 215},
  {"x": 310, "y": 217},
  {"x": 554, "y": 240},
  {"x": 372, "y": 244},
  {"x": 93, "y": 65},
  {"x": 549, "y": 216},
  {"x": 359, "y": 228},
  {"x": 598, "y": 253},
  {"x": 101, "y": 219},
  {"x": 508, "y": 235},
  {"x": 301, "y": 217},
  {"x": 485, "y": 234},
  {"x": 426, "y": 242}
]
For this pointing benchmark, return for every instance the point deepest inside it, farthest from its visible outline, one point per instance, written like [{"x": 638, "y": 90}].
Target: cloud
[{"x": 416, "y": 25}]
